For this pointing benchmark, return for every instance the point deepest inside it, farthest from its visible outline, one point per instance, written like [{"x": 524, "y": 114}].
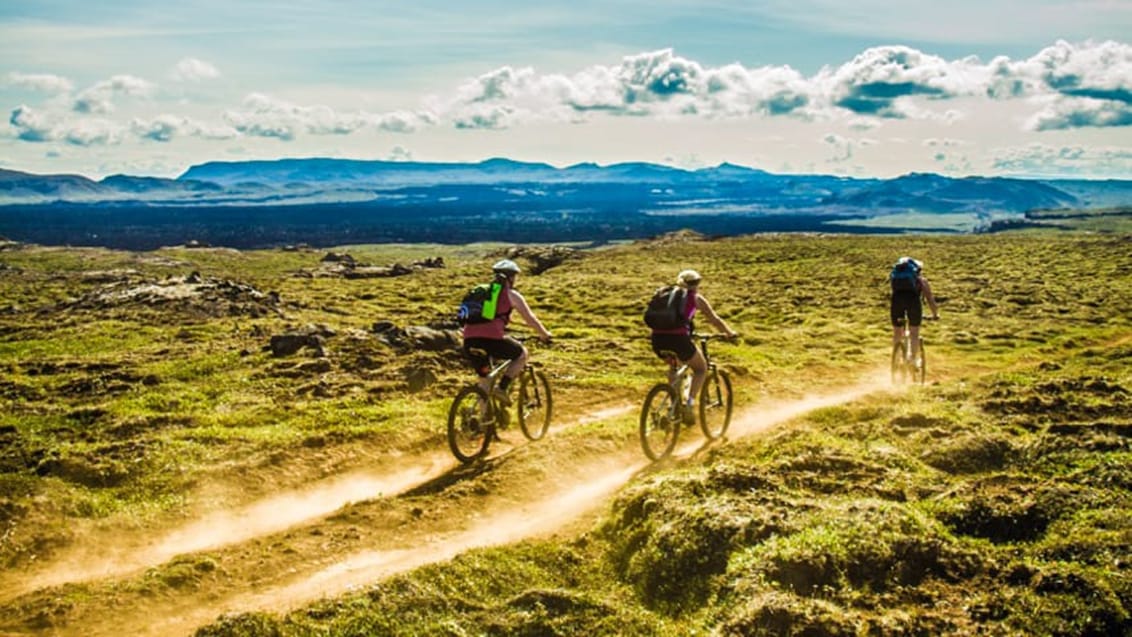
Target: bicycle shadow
[{"x": 458, "y": 474}]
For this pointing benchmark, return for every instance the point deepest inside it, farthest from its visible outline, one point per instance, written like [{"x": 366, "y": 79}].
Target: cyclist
[
  {"x": 907, "y": 303},
  {"x": 679, "y": 340},
  {"x": 490, "y": 337}
]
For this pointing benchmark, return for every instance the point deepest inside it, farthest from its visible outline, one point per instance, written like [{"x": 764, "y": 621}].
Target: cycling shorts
[
  {"x": 499, "y": 349},
  {"x": 680, "y": 344},
  {"x": 907, "y": 304}
]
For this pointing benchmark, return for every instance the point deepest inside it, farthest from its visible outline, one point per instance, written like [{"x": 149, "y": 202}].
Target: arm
[
  {"x": 703, "y": 305},
  {"x": 520, "y": 305},
  {"x": 926, "y": 290}
]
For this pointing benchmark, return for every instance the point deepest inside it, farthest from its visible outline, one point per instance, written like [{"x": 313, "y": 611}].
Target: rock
[
  {"x": 419, "y": 378},
  {"x": 432, "y": 340}
]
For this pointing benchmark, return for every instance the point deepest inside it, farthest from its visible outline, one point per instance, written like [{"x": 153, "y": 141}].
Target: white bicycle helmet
[
  {"x": 688, "y": 278},
  {"x": 506, "y": 266}
]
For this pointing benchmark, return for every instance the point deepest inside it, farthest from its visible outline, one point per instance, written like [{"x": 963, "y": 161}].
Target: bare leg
[
  {"x": 914, "y": 337},
  {"x": 516, "y": 367},
  {"x": 699, "y": 372}
]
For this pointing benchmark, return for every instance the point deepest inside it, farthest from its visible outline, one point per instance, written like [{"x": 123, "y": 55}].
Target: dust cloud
[
  {"x": 587, "y": 493},
  {"x": 117, "y": 556},
  {"x": 589, "y": 489}
]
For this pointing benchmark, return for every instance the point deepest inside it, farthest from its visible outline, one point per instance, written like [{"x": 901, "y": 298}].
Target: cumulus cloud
[
  {"x": 264, "y": 116},
  {"x": 194, "y": 70},
  {"x": 1044, "y": 159},
  {"x": 98, "y": 98},
  {"x": 42, "y": 82},
  {"x": 887, "y": 82},
  {"x": 1064, "y": 86},
  {"x": 164, "y": 128},
  {"x": 1079, "y": 113},
  {"x": 37, "y": 126},
  {"x": 31, "y": 125},
  {"x": 842, "y": 147},
  {"x": 878, "y": 81}
]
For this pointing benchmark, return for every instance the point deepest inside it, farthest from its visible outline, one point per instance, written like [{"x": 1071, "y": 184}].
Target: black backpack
[
  {"x": 665, "y": 310},
  {"x": 905, "y": 277},
  {"x": 479, "y": 304}
]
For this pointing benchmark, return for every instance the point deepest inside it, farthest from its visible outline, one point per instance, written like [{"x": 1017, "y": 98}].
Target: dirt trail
[
  {"x": 488, "y": 521},
  {"x": 120, "y": 555}
]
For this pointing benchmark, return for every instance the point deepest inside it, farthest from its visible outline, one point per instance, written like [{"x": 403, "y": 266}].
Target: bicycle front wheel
[
  {"x": 715, "y": 404},
  {"x": 470, "y": 424},
  {"x": 660, "y": 421},
  {"x": 920, "y": 371},
  {"x": 535, "y": 404},
  {"x": 899, "y": 369}
]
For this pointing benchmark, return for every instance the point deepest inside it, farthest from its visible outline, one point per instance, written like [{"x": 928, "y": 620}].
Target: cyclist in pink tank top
[
  {"x": 491, "y": 337},
  {"x": 679, "y": 340}
]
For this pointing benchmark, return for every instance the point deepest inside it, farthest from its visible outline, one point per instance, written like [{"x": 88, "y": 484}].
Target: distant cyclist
[
  {"x": 679, "y": 340},
  {"x": 490, "y": 337},
  {"x": 909, "y": 287}
]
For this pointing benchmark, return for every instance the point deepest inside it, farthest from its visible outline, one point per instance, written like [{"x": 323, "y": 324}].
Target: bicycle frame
[{"x": 680, "y": 374}]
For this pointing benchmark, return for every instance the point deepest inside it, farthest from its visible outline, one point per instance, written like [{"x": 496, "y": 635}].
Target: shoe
[
  {"x": 501, "y": 395},
  {"x": 689, "y": 415}
]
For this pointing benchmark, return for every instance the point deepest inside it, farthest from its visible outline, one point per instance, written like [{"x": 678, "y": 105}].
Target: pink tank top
[{"x": 496, "y": 327}]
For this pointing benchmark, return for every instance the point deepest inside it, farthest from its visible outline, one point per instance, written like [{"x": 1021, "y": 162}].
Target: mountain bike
[
  {"x": 663, "y": 412},
  {"x": 903, "y": 367},
  {"x": 478, "y": 412}
]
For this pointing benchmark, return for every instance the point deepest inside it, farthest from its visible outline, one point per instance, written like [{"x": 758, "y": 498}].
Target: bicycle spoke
[
  {"x": 715, "y": 404},
  {"x": 470, "y": 424},
  {"x": 660, "y": 422},
  {"x": 535, "y": 404}
]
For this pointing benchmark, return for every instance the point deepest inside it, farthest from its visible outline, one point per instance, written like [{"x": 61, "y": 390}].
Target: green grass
[{"x": 1006, "y": 476}]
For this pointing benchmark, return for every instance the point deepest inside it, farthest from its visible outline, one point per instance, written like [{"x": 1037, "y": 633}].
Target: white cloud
[
  {"x": 1066, "y": 161},
  {"x": 194, "y": 70},
  {"x": 43, "y": 82},
  {"x": 164, "y": 128},
  {"x": 1064, "y": 113},
  {"x": 265, "y": 116},
  {"x": 39, "y": 126},
  {"x": 97, "y": 98}
]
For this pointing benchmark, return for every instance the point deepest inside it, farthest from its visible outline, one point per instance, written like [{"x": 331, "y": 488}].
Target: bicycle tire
[
  {"x": 660, "y": 421},
  {"x": 536, "y": 404},
  {"x": 716, "y": 403},
  {"x": 899, "y": 369},
  {"x": 471, "y": 424},
  {"x": 920, "y": 373}
]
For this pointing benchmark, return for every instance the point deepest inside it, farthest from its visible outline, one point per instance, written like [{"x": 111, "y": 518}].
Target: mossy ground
[{"x": 993, "y": 501}]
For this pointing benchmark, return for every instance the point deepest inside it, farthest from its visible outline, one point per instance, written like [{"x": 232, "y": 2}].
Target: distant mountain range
[{"x": 338, "y": 200}]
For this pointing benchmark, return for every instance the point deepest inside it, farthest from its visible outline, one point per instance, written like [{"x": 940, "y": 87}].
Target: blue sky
[{"x": 869, "y": 88}]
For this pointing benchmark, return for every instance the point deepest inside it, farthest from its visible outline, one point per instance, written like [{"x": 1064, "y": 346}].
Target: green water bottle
[{"x": 492, "y": 301}]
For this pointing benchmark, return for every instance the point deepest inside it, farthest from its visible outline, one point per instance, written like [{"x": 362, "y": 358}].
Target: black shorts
[
  {"x": 907, "y": 303},
  {"x": 488, "y": 349},
  {"x": 680, "y": 344}
]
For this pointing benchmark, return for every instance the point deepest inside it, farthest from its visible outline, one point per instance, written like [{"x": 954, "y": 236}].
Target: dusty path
[{"x": 329, "y": 551}]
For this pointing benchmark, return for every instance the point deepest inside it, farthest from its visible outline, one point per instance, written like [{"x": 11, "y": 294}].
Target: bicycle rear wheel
[
  {"x": 470, "y": 424},
  {"x": 920, "y": 370},
  {"x": 715, "y": 404},
  {"x": 535, "y": 404},
  {"x": 899, "y": 368},
  {"x": 660, "y": 421}
]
